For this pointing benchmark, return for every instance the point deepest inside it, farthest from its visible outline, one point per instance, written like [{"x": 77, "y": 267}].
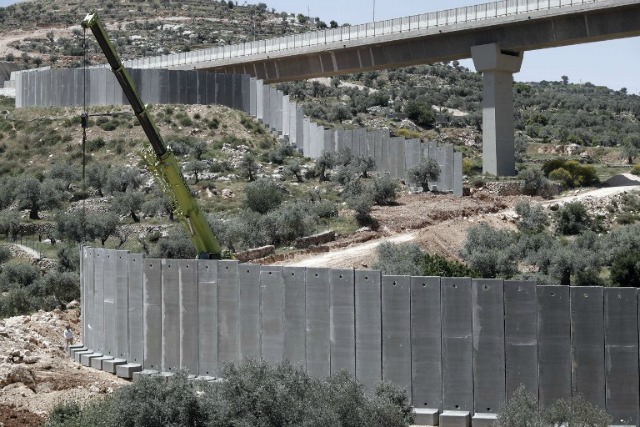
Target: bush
[
  {"x": 424, "y": 172},
  {"x": 572, "y": 219},
  {"x": 489, "y": 251},
  {"x": 625, "y": 270},
  {"x": 437, "y": 265},
  {"x": 533, "y": 218},
  {"x": 420, "y": 113},
  {"x": 176, "y": 246},
  {"x": 635, "y": 170},
  {"x": 522, "y": 410},
  {"x": 263, "y": 195},
  {"x": 570, "y": 173},
  {"x": 384, "y": 190},
  {"x": 535, "y": 183},
  {"x": 399, "y": 259},
  {"x": 253, "y": 394}
]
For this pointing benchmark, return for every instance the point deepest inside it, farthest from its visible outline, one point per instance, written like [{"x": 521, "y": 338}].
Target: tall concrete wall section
[
  {"x": 452, "y": 343},
  {"x": 260, "y": 100}
]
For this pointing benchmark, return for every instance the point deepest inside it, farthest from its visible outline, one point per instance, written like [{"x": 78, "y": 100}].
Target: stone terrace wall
[{"x": 452, "y": 343}]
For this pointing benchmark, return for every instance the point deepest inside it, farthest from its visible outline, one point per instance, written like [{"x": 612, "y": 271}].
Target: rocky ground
[{"x": 36, "y": 374}]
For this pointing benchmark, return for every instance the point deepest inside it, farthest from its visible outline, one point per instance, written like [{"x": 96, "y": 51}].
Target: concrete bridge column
[{"x": 497, "y": 67}]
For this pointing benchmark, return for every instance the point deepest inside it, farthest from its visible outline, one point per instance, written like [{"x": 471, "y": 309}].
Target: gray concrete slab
[
  {"x": 329, "y": 140},
  {"x": 426, "y": 416},
  {"x": 378, "y": 149},
  {"x": 621, "y": 355},
  {"x": 293, "y": 124},
  {"x": 98, "y": 301},
  {"x": 266, "y": 106},
  {"x": 85, "y": 282},
  {"x": 396, "y": 331},
  {"x": 306, "y": 137},
  {"x": 349, "y": 138},
  {"x": 488, "y": 345},
  {"x": 260, "y": 100},
  {"x": 208, "y": 317},
  {"x": 392, "y": 158},
  {"x": 342, "y": 318},
  {"x": 173, "y": 86},
  {"x": 109, "y": 294},
  {"x": 245, "y": 81},
  {"x": 521, "y": 336},
  {"x": 89, "y": 297},
  {"x": 273, "y": 108},
  {"x": 170, "y": 315},
  {"x": 272, "y": 314},
  {"x": 587, "y": 343},
  {"x": 228, "y": 313},
  {"x": 411, "y": 154},
  {"x": 121, "y": 304},
  {"x": 359, "y": 142},
  {"x": 455, "y": 419},
  {"x": 253, "y": 97},
  {"x": 299, "y": 128},
  {"x": 72, "y": 349},
  {"x": 295, "y": 315},
  {"x": 400, "y": 159},
  {"x": 368, "y": 300},
  {"x": 279, "y": 102},
  {"x": 249, "y": 310},
  {"x": 318, "y": 323},
  {"x": 448, "y": 167},
  {"x": 189, "y": 87},
  {"x": 426, "y": 343},
  {"x": 285, "y": 115},
  {"x": 457, "y": 174},
  {"x": 189, "y": 333},
  {"x": 165, "y": 87},
  {"x": 110, "y": 365},
  {"x": 441, "y": 159},
  {"x": 484, "y": 420},
  {"x": 457, "y": 345},
  {"x": 136, "y": 303},
  {"x": 85, "y": 358},
  {"x": 152, "y": 314},
  {"x": 370, "y": 138},
  {"x": 127, "y": 370},
  {"x": 96, "y": 362},
  {"x": 554, "y": 344}
]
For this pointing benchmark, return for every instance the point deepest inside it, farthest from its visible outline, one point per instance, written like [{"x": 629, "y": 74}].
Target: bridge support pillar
[{"x": 497, "y": 67}]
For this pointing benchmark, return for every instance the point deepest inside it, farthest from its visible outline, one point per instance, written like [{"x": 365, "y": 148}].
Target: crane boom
[{"x": 161, "y": 161}]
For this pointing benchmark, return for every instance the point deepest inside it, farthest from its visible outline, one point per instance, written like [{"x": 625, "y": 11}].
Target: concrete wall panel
[
  {"x": 401, "y": 169},
  {"x": 224, "y": 90},
  {"x": 89, "y": 291},
  {"x": 253, "y": 97},
  {"x": 122, "y": 304},
  {"x": 587, "y": 343},
  {"x": 621, "y": 355},
  {"x": 306, "y": 137},
  {"x": 488, "y": 345},
  {"x": 165, "y": 87},
  {"x": 299, "y": 128},
  {"x": 349, "y": 138},
  {"x": 136, "y": 308},
  {"x": 174, "y": 86},
  {"x": 279, "y": 101},
  {"x": 293, "y": 124},
  {"x": 370, "y": 137},
  {"x": 342, "y": 318},
  {"x": 295, "y": 315},
  {"x": 286, "y": 104},
  {"x": 266, "y": 105},
  {"x": 318, "y": 323},
  {"x": 245, "y": 81},
  {"x": 189, "y": 333},
  {"x": 368, "y": 327},
  {"x": 396, "y": 331},
  {"x": 208, "y": 318},
  {"x": 359, "y": 142},
  {"x": 426, "y": 343},
  {"x": 170, "y": 315},
  {"x": 109, "y": 307},
  {"x": 152, "y": 314},
  {"x": 272, "y": 313},
  {"x": 457, "y": 344},
  {"x": 260, "y": 100},
  {"x": 329, "y": 140},
  {"x": 228, "y": 312},
  {"x": 411, "y": 154},
  {"x": 521, "y": 336},
  {"x": 249, "y": 310},
  {"x": 554, "y": 344},
  {"x": 273, "y": 108},
  {"x": 448, "y": 168},
  {"x": 457, "y": 174},
  {"x": 378, "y": 150}
]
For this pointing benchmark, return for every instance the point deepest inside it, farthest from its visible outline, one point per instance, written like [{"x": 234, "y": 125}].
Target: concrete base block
[
  {"x": 110, "y": 365},
  {"x": 85, "y": 359},
  {"x": 144, "y": 373},
  {"x": 73, "y": 348},
  {"x": 165, "y": 376},
  {"x": 78, "y": 354},
  {"x": 127, "y": 370},
  {"x": 484, "y": 420},
  {"x": 96, "y": 363},
  {"x": 455, "y": 419},
  {"x": 426, "y": 416}
]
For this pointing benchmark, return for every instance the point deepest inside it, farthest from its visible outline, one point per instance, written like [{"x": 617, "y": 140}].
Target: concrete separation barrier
[{"x": 460, "y": 347}]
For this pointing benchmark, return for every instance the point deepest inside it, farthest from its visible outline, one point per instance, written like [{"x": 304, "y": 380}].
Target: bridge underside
[{"x": 538, "y": 32}]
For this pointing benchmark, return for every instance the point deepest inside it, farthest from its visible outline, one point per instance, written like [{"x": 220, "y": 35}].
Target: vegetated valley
[{"x": 256, "y": 190}]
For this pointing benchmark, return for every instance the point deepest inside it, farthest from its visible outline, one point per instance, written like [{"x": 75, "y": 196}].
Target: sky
[{"x": 612, "y": 63}]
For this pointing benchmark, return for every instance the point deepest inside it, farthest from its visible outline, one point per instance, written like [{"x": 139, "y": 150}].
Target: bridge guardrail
[{"x": 455, "y": 16}]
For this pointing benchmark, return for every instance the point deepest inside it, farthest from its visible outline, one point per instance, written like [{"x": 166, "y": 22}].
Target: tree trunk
[{"x": 134, "y": 217}]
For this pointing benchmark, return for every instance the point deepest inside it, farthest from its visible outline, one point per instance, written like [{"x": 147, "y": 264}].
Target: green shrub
[
  {"x": 572, "y": 218},
  {"x": 533, "y": 218},
  {"x": 253, "y": 394},
  {"x": 420, "y": 113},
  {"x": 535, "y": 183},
  {"x": 424, "y": 172},
  {"x": 635, "y": 169},
  {"x": 437, "y": 265},
  {"x": 625, "y": 270},
  {"x": 570, "y": 173},
  {"x": 489, "y": 251},
  {"x": 399, "y": 259},
  {"x": 522, "y": 410},
  {"x": 5, "y": 254},
  {"x": 384, "y": 190},
  {"x": 263, "y": 195},
  {"x": 109, "y": 126}
]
